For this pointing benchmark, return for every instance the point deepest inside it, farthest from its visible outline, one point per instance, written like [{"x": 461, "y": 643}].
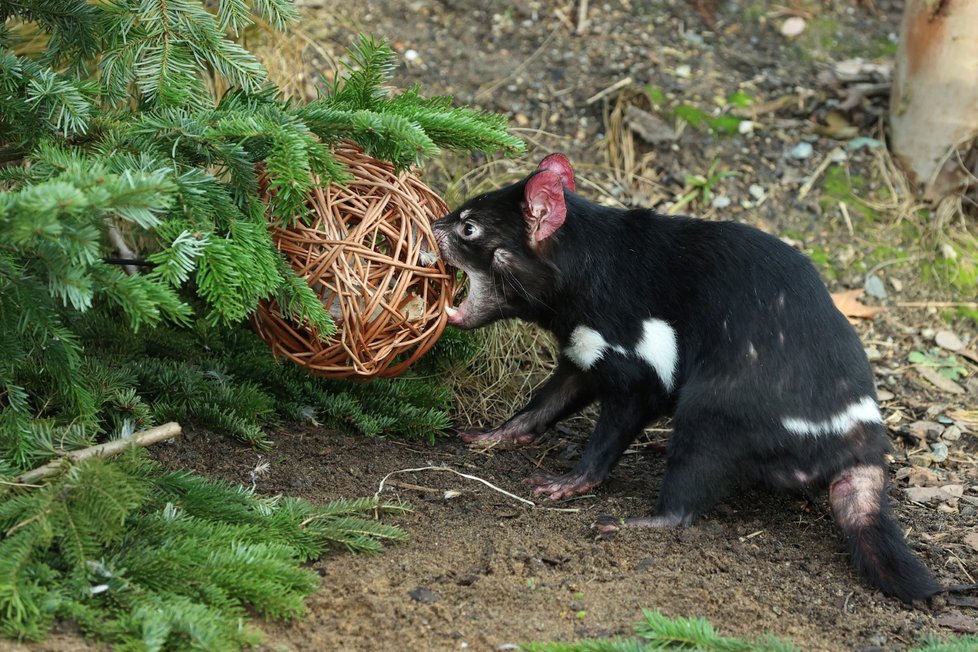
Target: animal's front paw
[
  {"x": 496, "y": 435},
  {"x": 555, "y": 487}
]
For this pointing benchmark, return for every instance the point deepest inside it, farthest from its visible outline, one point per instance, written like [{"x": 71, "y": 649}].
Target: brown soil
[{"x": 482, "y": 570}]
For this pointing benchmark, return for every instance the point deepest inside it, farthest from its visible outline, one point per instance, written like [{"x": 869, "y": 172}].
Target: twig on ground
[
  {"x": 142, "y": 438},
  {"x": 380, "y": 488},
  {"x": 971, "y": 305},
  {"x": 826, "y": 162},
  {"x": 621, "y": 83},
  {"x": 582, "y": 16}
]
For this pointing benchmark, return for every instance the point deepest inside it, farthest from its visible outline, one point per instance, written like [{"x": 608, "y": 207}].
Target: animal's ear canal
[
  {"x": 559, "y": 165},
  {"x": 544, "y": 208}
]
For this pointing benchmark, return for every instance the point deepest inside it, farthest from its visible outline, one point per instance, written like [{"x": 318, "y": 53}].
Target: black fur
[{"x": 758, "y": 341}]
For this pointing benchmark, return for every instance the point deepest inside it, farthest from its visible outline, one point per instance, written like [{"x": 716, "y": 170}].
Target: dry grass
[{"x": 515, "y": 358}]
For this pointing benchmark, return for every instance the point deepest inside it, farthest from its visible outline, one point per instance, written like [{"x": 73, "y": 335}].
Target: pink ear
[
  {"x": 545, "y": 209},
  {"x": 559, "y": 165}
]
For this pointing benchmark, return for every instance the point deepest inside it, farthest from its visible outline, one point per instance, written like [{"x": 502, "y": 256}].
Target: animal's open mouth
[
  {"x": 460, "y": 315},
  {"x": 464, "y": 313}
]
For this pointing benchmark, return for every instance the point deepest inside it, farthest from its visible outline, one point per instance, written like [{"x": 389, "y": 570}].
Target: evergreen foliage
[
  {"x": 114, "y": 124},
  {"x": 657, "y": 632},
  {"x": 148, "y": 559},
  {"x": 113, "y": 127}
]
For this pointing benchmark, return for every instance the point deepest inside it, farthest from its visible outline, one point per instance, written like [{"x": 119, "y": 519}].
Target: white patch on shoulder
[
  {"x": 864, "y": 411},
  {"x": 587, "y": 346},
  {"x": 658, "y": 346}
]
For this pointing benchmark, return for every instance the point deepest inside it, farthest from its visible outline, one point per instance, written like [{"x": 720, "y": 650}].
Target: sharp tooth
[{"x": 451, "y": 310}]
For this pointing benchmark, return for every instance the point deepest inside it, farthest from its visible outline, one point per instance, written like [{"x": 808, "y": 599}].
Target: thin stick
[
  {"x": 464, "y": 475},
  {"x": 845, "y": 215},
  {"x": 142, "y": 438},
  {"x": 971, "y": 305},
  {"x": 582, "y": 16},
  {"x": 488, "y": 90},
  {"x": 621, "y": 83},
  {"x": 469, "y": 477},
  {"x": 807, "y": 187}
]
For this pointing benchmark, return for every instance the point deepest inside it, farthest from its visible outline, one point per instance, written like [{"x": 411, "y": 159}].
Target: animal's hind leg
[{"x": 700, "y": 471}]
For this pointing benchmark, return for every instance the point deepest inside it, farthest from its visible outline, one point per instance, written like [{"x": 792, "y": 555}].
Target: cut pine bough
[{"x": 108, "y": 449}]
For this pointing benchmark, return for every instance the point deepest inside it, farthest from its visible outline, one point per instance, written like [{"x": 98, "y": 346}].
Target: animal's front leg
[
  {"x": 622, "y": 418},
  {"x": 564, "y": 393}
]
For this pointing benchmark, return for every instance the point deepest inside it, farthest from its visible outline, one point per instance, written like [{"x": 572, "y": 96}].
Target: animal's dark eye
[{"x": 469, "y": 229}]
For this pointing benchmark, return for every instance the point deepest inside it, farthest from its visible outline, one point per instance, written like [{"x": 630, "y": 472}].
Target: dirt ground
[{"x": 483, "y": 570}]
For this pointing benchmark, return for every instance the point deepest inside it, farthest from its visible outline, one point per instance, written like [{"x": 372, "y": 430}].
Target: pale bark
[{"x": 934, "y": 100}]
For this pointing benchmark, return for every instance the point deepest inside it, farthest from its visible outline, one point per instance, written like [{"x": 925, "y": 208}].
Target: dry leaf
[
  {"x": 837, "y": 126},
  {"x": 939, "y": 381},
  {"x": 958, "y": 622},
  {"x": 927, "y": 494},
  {"x": 971, "y": 539},
  {"x": 971, "y": 355},
  {"x": 948, "y": 340},
  {"x": 849, "y": 305}
]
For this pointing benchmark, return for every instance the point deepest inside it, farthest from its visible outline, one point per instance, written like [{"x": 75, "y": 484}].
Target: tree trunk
[{"x": 934, "y": 100}]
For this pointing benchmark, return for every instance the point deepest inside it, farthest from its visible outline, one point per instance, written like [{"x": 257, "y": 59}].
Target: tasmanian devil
[{"x": 724, "y": 327}]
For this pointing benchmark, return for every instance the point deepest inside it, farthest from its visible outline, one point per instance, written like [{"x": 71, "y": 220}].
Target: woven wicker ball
[{"x": 361, "y": 253}]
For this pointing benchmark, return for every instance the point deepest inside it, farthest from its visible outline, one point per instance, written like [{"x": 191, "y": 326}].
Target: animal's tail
[{"x": 875, "y": 541}]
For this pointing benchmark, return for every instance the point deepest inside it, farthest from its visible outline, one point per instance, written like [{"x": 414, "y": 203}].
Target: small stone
[
  {"x": 745, "y": 128},
  {"x": 720, "y": 201},
  {"x": 885, "y": 395},
  {"x": 874, "y": 287},
  {"x": 756, "y": 191},
  {"x": 411, "y": 55},
  {"x": 925, "y": 430},
  {"x": 897, "y": 284},
  {"x": 928, "y": 333},
  {"x": 951, "y": 433},
  {"x": 423, "y": 595},
  {"x": 793, "y": 27},
  {"x": 683, "y": 71},
  {"x": 801, "y": 151},
  {"x": 873, "y": 354},
  {"x": 922, "y": 477},
  {"x": 939, "y": 451}
]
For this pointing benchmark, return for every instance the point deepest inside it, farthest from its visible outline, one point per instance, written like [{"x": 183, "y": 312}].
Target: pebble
[
  {"x": 683, "y": 71},
  {"x": 952, "y": 433},
  {"x": 411, "y": 55},
  {"x": 801, "y": 151},
  {"x": 793, "y": 26},
  {"x": 720, "y": 201},
  {"x": 745, "y": 127},
  {"x": 939, "y": 451},
  {"x": 756, "y": 191},
  {"x": 874, "y": 287},
  {"x": 423, "y": 595}
]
